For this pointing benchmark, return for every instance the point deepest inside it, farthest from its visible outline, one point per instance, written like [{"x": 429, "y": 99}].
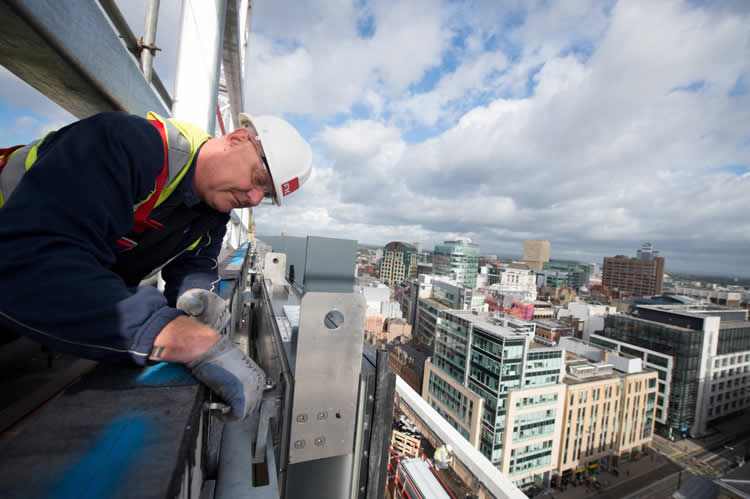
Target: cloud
[
  {"x": 595, "y": 125},
  {"x": 583, "y": 142}
]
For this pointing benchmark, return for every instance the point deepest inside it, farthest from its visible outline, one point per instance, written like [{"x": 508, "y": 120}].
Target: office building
[
  {"x": 633, "y": 277},
  {"x": 574, "y": 275},
  {"x": 610, "y": 402},
  {"x": 445, "y": 294},
  {"x": 592, "y": 315},
  {"x": 514, "y": 278},
  {"x": 500, "y": 390},
  {"x": 549, "y": 331},
  {"x": 399, "y": 263},
  {"x": 647, "y": 252},
  {"x": 717, "y": 296},
  {"x": 535, "y": 253},
  {"x": 701, "y": 355},
  {"x": 551, "y": 278},
  {"x": 457, "y": 260}
]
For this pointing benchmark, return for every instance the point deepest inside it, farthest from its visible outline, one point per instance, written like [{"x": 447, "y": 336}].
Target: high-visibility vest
[{"x": 181, "y": 142}]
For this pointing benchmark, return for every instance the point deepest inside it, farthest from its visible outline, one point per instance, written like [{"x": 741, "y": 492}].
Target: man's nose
[{"x": 255, "y": 196}]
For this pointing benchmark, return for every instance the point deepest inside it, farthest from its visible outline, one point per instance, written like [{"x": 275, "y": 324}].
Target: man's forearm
[{"x": 182, "y": 340}]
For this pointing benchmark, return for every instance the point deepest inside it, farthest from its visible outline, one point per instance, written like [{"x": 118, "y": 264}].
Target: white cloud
[{"x": 596, "y": 125}]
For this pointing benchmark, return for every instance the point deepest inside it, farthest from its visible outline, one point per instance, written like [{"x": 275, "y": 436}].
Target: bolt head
[{"x": 299, "y": 444}]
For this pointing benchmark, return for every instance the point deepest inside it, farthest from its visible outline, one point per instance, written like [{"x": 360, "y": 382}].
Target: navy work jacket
[{"x": 63, "y": 280}]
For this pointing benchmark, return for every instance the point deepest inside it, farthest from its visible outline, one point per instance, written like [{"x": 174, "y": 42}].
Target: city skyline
[{"x": 594, "y": 125}]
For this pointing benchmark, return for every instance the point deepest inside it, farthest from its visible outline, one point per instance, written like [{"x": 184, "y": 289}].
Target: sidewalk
[
  {"x": 633, "y": 475},
  {"x": 727, "y": 431}
]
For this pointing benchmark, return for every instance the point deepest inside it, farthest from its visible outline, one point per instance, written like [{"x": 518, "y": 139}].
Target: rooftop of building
[
  {"x": 631, "y": 259},
  {"x": 542, "y": 304},
  {"x": 605, "y": 370},
  {"x": 398, "y": 245},
  {"x": 698, "y": 311},
  {"x": 551, "y": 323},
  {"x": 492, "y": 324},
  {"x": 435, "y": 303},
  {"x": 596, "y": 363},
  {"x": 518, "y": 266},
  {"x": 415, "y": 350},
  {"x": 487, "y": 321},
  {"x": 535, "y": 345}
]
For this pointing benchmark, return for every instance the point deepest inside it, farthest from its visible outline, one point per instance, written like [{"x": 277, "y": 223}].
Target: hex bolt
[
  {"x": 320, "y": 441},
  {"x": 298, "y": 444},
  {"x": 322, "y": 415},
  {"x": 370, "y": 398},
  {"x": 301, "y": 418},
  {"x": 365, "y": 453}
]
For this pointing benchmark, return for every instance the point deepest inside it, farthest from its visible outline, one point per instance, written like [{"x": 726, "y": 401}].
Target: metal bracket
[
  {"x": 274, "y": 268},
  {"x": 269, "y": 407},
  {"x": 328, "y": 365}
]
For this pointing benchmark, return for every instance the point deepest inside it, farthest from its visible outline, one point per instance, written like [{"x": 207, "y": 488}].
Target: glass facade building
[
  {"x": 484, "y": 359},
  {"x": 693, "y": 338},
  {"x": 458, "y": 260}
]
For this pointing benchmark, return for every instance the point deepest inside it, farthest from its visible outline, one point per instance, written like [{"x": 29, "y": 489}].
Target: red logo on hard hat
[{"x": 290, "y": 186}]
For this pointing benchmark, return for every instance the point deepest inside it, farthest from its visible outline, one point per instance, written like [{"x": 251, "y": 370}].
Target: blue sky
[{"x": 595, "y": 125}]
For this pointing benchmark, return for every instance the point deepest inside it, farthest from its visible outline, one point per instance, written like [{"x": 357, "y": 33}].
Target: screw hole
[
  {"x": 275, "y": 260},
  {"x": 338, "y": 414},
  {"x": 333, "y": 319}
]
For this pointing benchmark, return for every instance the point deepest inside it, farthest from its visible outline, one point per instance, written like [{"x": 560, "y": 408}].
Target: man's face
[{"x": 236, "y": 177}]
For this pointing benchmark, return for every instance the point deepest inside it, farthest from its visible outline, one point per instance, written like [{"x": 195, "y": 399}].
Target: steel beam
[
  {"x": 70, "y": 53},
  {"x": 232, "y": 61},
  {"x": 198, "y": 62}
]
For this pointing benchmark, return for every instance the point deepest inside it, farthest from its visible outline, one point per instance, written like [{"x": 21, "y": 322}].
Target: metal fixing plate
[
  {"x": 329, "y": 359},
  {"x": 274, "y": 267}
]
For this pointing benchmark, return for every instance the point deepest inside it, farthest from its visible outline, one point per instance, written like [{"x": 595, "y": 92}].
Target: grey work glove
[
  {"x": 233, "y": 376},
  {"x": 206, "y": 307}
]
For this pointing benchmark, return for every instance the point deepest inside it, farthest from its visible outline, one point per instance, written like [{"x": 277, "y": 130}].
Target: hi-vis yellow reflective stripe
[
  {"x": 30, "y": 158},
  {"x": 192, "y": 246},
  {"x": 195, "y": 137}
]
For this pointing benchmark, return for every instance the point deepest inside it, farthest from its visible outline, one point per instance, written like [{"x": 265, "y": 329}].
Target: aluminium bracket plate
[{"x": 326, "y": 380}]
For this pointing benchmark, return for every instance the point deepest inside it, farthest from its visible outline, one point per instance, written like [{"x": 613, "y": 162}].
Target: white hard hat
[{"x": 287, "y": 155}]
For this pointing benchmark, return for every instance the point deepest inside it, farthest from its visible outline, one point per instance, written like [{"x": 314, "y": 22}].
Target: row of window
[
  {"x": 728, "y": 407},
  {"x": 731, "y": 372},
  {"x": 736, "y": 394},
  {"x": 730, "y": 361},
  {"x": 729, "y": 384},
  {"x": 538, "y": 400}
]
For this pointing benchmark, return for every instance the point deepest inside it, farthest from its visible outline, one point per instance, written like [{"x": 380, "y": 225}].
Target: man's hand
[
  {"x": 231, "y": 375},
  {"x": 206, "y": 307}
]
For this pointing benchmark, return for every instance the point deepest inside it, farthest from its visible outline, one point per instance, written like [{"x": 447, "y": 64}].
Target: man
[{"x": 94, "y": 208}]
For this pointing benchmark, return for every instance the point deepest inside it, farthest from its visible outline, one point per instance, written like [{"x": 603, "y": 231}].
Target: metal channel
[
  {"x": 131, "y": 43},
  {"x": 271, "y": 353},
  {"x": 198, "y": 62},
  {"x": 231, "y": 60},
  {"x": 148, "y": 49},
  {"x": 48, "y": 44},
  {"x": 380, "y": 427}
]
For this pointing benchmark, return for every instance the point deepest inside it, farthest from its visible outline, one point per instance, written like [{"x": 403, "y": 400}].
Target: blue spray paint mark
[
  {"x": 165, "y": 374},
  {"x": 101, "y": 471},
  {"x": 239, "y": 255}
]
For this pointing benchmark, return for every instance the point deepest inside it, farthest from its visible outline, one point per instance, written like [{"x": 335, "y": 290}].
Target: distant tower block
[{"x": 535, "y": 253}]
